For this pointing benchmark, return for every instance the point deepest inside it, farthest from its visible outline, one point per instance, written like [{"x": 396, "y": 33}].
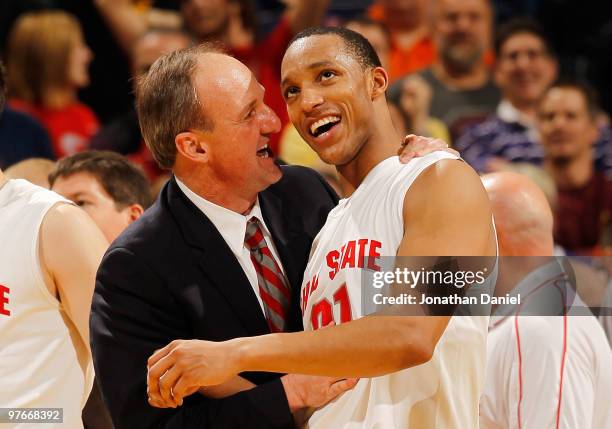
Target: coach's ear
[
  {"x": 380, "y": 82},
  {"x": 192, "y": 145}
]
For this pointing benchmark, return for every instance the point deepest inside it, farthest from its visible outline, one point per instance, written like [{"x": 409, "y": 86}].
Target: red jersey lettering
[{"x": 4, "y": 291}]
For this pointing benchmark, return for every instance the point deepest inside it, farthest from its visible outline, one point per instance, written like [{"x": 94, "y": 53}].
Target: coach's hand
[
  {"x": 305, "y": 391},
  {"x": 180, "y": 368},
  {"x": 415, "y": 146}
]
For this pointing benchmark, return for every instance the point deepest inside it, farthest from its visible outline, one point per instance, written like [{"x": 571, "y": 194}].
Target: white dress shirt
[{"x": 232, "y": 227}]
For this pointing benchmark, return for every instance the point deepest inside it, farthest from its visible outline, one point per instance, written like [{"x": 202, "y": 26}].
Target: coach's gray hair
[{"x": 167, "y": 102}]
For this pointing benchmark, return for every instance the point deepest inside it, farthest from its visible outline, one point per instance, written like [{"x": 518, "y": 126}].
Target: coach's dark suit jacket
[{"x": 170, "y": 276}]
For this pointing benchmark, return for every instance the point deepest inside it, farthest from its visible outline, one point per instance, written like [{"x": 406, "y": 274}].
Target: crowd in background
[{"x": 497, "y": 79}]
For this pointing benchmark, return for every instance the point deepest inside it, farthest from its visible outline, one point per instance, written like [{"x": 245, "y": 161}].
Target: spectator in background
[
  {"x": 104, "y": 184},
  {"x": 376, "y": 33},
  {"x": 34, "y": 170},
  {"x": 123, "y": 134},
  {"x": 21, "y": 136},
  {"x": 568, "y": 129},
  {"x": 462, "y": 90},
  {"x": 524, "y": 69},
  {"x": 412, "y": 48},
  {"x": 47, "y": 63},
  {"x": 414, "y": 105}
]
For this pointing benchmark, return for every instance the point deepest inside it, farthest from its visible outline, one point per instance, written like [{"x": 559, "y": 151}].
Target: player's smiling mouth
[{"x": 323, "y": 125}]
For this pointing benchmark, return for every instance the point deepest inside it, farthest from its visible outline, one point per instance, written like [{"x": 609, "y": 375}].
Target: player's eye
[
  {"x": 292, "y": 91},
  {"x": 326, "y": 75}
]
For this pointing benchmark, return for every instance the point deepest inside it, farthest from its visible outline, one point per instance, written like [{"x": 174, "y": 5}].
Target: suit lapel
[{"x": 214, "y": 257}]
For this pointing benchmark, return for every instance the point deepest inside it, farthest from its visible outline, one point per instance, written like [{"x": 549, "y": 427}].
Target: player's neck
[
  {"x": 382, "y": 144},
  {"x": 3, "y": 179}
]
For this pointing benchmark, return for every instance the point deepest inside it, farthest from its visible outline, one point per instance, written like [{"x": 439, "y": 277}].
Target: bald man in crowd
[{"x": 543, "y": 371}]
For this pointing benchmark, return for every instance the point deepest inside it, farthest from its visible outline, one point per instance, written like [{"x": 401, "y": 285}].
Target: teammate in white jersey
[
  {"x": 48, "y": 259},
  {"x": 436, "y": 205},
  {"x": 543, "y": 371}
]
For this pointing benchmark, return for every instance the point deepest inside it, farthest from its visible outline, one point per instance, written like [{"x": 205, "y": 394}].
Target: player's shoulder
[
  {"x": 66, "y": 222},
  {"x": 445, "y": 173},
  {"x": 391, "y": 171}
]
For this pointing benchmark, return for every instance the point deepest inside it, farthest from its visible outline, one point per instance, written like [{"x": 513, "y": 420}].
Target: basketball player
[{"x": 435, "y": 205}]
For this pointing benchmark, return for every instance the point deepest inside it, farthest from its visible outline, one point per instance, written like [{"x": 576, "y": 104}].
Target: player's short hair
[
  {"x": 521, "y": 25},
  {"x": 123, "y": 181},
  {"x": 2, "y": 87},
  {"x": 167, "y": 102},
  {"x": 588, "y": 93},
  {"x": 356, "y": 45}
]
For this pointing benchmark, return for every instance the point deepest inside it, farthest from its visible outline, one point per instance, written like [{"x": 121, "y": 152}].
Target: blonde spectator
[{"x": 47, "y": 63}]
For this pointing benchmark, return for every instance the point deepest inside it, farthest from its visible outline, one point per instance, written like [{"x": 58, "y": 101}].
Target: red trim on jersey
[
  {"x": 520, "y": 371},
  {"x": 563, "y": 356}
]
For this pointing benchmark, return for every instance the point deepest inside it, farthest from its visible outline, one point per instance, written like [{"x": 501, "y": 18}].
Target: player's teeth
[{"x": 323, "y": 121}]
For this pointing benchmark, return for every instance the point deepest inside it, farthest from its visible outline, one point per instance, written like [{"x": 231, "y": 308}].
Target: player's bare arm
[
  {"x": 69, "y": 262},
  {"x": 447, "y": 190}
]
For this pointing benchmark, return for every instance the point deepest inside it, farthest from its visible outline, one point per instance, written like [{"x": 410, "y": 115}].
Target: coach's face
[
  {"x": 328, "y": 95},
  {"x": 237, "y": 148}
]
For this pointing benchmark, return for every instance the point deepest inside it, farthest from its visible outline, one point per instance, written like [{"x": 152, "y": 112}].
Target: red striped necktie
[{"x": 273, "y": 286}]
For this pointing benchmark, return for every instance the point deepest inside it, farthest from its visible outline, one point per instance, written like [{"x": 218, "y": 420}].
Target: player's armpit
[{"x": 71, "y": 247}]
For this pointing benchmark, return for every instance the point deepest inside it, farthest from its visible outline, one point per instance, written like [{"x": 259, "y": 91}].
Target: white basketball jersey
[
  {"x": 38, "y": 361},
  {"x": 442, "y": 393}
]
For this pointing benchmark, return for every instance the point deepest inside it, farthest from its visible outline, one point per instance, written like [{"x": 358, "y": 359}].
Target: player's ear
[
  {"x": 192, "y": 145},
  {"x": 380, "y": 81}
]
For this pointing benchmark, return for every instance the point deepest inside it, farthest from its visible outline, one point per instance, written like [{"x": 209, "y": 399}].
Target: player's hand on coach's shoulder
[{"x": 415, "y": 146}]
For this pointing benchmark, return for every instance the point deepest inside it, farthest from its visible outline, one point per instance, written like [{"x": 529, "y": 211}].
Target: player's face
[
  {"x": 86, "y": 192},
  {"x": 327, "y": 97},
  {"x": 565, "y": 126},
  {"x": 524, "y": 69},
  {"x": 238, "y": 145}
]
